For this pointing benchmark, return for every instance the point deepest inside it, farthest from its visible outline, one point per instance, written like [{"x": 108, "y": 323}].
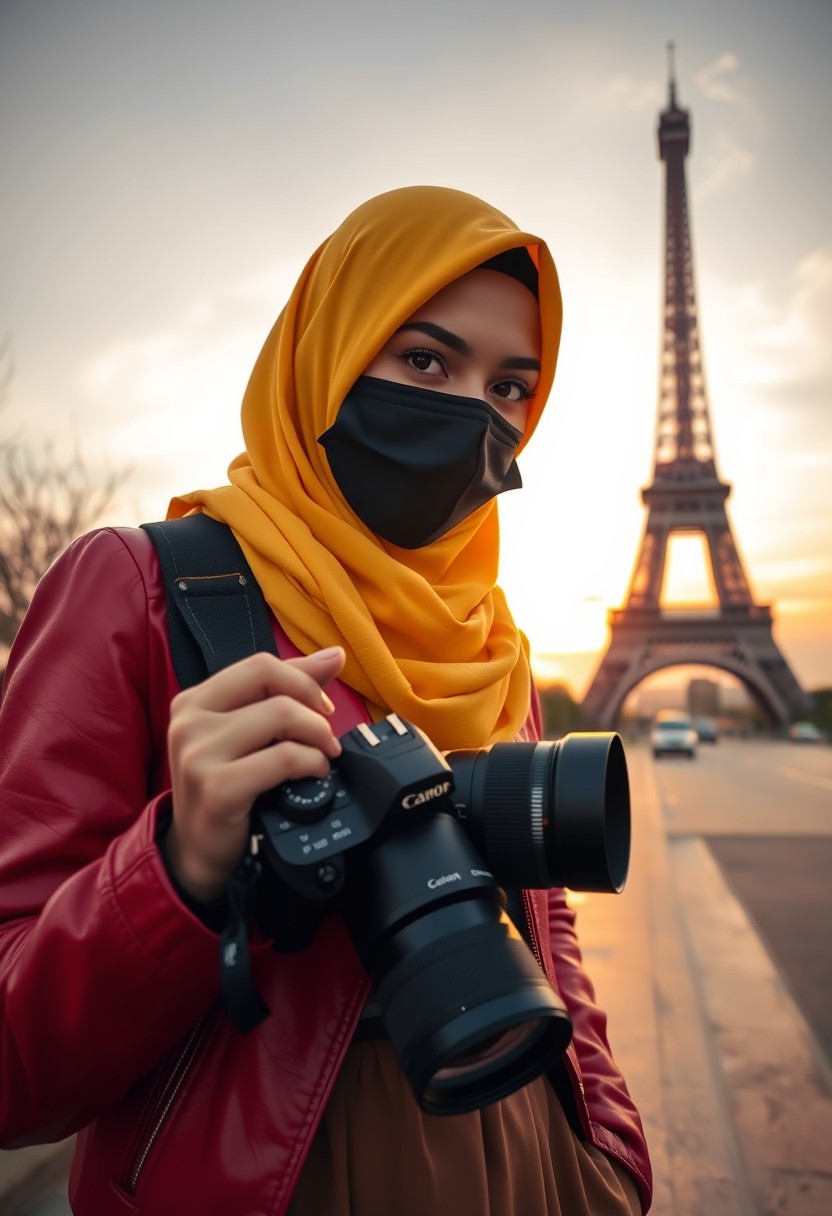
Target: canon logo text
[
  {"x": 436, "y": 791},
  {"x": 433, "y": 883}
]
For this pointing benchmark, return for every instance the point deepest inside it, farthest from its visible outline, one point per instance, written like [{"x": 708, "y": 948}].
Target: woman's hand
[{"x": 249, "y": 727}]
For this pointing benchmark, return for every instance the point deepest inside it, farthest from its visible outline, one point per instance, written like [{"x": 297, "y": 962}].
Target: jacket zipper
[
  {"x": 183, "y": 1065},
  {"x": 532, "y": 934}
]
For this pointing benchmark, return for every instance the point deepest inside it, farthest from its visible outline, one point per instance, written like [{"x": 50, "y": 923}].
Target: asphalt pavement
[{"x": 785, "y": 885}]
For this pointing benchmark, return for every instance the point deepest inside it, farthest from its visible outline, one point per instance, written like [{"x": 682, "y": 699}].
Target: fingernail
[
  {"x": 327, "y": 704},
  {"x": 336, "y": 746},
  {"x": 329, "y": 653}
]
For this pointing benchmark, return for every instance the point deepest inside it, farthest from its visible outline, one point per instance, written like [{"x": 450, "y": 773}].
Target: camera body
[
  {"x": 401, "y": 839},
  {"x": 306, "y": 827}
]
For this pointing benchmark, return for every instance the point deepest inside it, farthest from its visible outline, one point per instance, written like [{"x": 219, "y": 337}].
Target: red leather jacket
[{"x": 109, "y": 985}]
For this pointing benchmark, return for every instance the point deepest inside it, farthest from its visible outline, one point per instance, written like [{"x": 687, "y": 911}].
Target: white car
[
  {"x": 673, "y": 733},
  {"x": 805, "y": 732}
]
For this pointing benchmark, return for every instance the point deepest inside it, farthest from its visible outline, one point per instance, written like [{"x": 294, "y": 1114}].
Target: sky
[{"x": 169, "y": 167}]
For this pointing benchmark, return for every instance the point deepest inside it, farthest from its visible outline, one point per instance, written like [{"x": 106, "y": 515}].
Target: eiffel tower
[{"x": 687, "y": 496}]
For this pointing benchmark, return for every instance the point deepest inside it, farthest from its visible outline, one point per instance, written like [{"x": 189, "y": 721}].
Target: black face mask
[{"x": 412, "y": 463}]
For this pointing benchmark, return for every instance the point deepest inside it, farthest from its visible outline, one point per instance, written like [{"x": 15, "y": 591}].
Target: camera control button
[
  {"x": 308, "y": 799},
  {"x": 328, "y": 876}
]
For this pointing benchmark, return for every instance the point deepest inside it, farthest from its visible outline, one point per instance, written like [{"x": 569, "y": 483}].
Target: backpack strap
[
  {"x": 216, "y": 611},
  {"x": 217, "y": 614}
]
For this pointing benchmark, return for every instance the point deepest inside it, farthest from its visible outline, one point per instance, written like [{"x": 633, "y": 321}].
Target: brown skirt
[{"x": 377, "y": 1153}]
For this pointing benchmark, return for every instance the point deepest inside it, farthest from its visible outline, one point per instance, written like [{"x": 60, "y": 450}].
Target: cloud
[
  {"x": 727, "y": 165},
  {"x": 215, "y": 330},
  {"x": 789, "y": 331},
  {"x": 623, "y": 92},
  {"x": 715, "y": 79},
  {"x": 770, "y": 369},
  {"x": 170, "y": 401},
  {"x": 128, "y": 362},
  {"x": 801, "y": 330}
]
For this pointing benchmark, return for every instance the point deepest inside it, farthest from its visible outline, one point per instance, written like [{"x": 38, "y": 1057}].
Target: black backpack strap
[
  {"x": 216, "y": 615},
  {"x": 216, "y": 610}
]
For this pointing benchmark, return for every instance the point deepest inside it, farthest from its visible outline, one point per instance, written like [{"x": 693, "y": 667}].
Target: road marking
[{"x": 825, "y": 783}]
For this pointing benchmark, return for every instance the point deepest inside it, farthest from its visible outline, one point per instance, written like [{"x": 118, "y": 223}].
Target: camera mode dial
[{"x": 308, "y": 799}]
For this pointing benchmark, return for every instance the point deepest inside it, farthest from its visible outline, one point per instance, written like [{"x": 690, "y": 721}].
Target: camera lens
[
  {"x": 490, "y": 1068},
  {"x": 555, "y": 814},
  {"x": 469, "y": 1012}
]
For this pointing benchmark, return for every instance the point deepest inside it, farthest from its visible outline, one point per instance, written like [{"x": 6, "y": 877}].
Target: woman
[{"x": 422, "y": 337}]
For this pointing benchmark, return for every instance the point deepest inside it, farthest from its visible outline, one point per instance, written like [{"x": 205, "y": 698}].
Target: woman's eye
[
  {"x": 512, "y": 390},
  {"x": 425, "y": 361}
]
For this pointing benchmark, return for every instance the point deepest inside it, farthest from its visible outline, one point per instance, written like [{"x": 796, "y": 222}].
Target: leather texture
[{"x": 111, "y": 1025}]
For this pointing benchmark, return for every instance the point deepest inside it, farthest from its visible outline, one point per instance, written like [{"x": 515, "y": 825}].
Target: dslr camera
[{"x": 416, "y": 850}]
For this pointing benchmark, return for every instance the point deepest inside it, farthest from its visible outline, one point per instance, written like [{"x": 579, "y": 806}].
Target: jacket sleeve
[
  {"x": 616, "y": 1124},
  {"x": 102, "y": 968}
]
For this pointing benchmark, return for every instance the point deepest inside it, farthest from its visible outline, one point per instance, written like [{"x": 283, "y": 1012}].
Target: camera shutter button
[{"x": 308, "y": 799}]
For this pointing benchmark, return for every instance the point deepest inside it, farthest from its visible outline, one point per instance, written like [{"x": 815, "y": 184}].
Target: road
[
  {"x": 765, "y": 811},
  {"x": 739, "y": 787}
]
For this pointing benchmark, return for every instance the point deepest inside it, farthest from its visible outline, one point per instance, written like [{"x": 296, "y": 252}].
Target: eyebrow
[
  {"x": 442, "y": 335},
  {"x": 521, "y": 363},
  {"x": 517, "y": 362}
]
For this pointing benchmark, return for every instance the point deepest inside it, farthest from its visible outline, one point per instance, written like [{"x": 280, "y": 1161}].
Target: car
[
  {"x": 673, "y": 734},
  {"x": 806, "y": 732},
  {"x": 706, "y": 729}
]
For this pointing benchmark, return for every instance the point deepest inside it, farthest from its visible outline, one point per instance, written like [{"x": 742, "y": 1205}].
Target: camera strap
[
  {"x": 216, "y": 611},
  {"x": 217, "y": 614}
]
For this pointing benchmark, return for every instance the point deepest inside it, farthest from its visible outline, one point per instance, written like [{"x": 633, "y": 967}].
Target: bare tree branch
[{"x": 45, "y": 502}]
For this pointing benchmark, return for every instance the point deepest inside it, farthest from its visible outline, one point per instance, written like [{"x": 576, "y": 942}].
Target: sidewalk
[
  {"x": 33, "y": 1180},
  {"x": 735, "y": 1094}
]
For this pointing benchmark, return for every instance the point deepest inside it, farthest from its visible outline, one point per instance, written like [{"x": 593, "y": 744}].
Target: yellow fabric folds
[{"x": 427, "y": 632}]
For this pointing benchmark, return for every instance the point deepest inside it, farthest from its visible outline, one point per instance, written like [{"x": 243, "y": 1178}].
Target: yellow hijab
[{"x": 427, "y": 632}]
